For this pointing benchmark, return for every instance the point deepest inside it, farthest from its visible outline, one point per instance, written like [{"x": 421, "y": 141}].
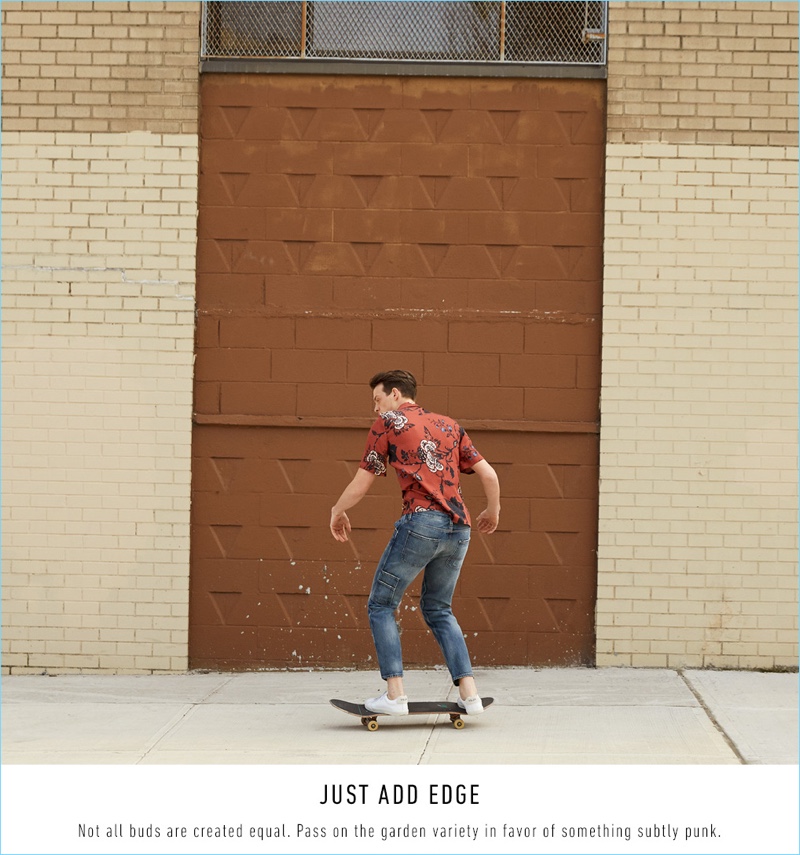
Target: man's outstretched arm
[
  {"x": 489, "y": 518},
  {"x": 353, "y": 493}
]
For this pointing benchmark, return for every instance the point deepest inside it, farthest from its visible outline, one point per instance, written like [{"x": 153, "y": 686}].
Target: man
[{"x": 428, "y": 451}]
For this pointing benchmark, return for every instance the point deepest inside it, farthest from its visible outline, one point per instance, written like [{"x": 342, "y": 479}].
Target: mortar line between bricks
[{"x": 712, "y": 718}]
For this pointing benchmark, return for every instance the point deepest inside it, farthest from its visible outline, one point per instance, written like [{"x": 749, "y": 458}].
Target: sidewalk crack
[
  {"x": 712, "y": 718},
  {"x": 170, "y": 726},
  {"x": 432, "y": 728},
  {"x": 431, "y": 731}
]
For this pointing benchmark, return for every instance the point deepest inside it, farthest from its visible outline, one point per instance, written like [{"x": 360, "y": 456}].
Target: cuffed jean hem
[
  {"x": 461, "y": 677},
  {"x": 392, "y": 676}
]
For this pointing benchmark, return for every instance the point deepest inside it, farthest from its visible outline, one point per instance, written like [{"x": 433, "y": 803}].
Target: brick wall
[
  {"x": 702, "y": 72},
  {"x": 99, "y": 237},
  {"x": 697, "y": 551},
  {"x": 698, "y": 509}
]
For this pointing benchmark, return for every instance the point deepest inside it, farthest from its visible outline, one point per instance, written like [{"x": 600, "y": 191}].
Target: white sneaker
[
  {"x": 472, "y": 706},
  {"x": 382, "y": 704}
]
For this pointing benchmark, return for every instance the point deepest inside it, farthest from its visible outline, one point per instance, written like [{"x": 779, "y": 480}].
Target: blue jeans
[{"x": 432, "y": 542}]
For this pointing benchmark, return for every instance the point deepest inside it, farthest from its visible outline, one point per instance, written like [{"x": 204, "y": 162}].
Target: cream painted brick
[
  {"x": 699, "y": 413},
  {"x": 99, "y": 72},
  {"x": 91, "y": 384},
  {"x": 662, "y": 60}
]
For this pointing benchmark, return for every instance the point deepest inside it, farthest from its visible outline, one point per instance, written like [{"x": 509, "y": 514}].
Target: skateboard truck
[
  {"x": 371, "y": 722},
  {"x": 370, "y": 719}
]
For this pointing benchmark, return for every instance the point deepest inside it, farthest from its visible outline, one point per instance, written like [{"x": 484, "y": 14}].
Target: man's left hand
[{"x": 340, "y": 526}]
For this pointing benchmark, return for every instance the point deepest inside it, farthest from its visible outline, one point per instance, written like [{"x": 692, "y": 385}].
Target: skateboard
[{"x": 370, "y": 719}]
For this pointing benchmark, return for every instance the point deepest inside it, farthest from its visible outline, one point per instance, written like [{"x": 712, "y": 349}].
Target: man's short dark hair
[{"x": 403, "y": 381}]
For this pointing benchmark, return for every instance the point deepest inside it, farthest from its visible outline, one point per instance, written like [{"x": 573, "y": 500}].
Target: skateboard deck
[{"x": 370, "y": 719}]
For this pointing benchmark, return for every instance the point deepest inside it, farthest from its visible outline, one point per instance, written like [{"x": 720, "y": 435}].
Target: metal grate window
[{"x": 538, "y": 32}]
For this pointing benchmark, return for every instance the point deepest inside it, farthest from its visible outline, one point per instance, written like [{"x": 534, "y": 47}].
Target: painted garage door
[{"x": 348, "y": 225}]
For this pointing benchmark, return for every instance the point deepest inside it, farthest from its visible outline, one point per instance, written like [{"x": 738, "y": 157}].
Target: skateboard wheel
[
  {"x": 372, "y": 724},
  {"x": 458, "y": 723}
]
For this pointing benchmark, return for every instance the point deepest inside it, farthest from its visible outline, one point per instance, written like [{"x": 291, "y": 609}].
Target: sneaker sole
[{"x": 386, "y": 712}]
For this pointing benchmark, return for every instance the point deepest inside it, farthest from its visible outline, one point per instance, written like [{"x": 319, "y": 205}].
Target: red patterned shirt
[{"x": 428, "y": 451}]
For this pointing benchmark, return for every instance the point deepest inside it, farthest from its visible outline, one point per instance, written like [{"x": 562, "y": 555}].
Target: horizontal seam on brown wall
[{"x": 517, "y": 426}]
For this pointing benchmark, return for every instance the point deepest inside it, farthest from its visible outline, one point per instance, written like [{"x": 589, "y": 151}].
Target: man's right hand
[
  {"x": 488, "y": 522},
  {"x": 488, "y": 519}
]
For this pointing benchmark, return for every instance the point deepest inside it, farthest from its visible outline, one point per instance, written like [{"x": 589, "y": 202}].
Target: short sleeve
[
  {"x": 468, "y": 455},
  {"x": 376, "y": 451}
]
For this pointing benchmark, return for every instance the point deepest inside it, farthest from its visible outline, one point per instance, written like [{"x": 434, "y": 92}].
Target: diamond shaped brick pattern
[
  {"x": 277, "y": 590},
  {"x": 453, "y": 227}
]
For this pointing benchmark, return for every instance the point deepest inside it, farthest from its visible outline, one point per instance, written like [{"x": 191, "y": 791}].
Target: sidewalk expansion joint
[
  {"x": 712, "y": 718},
  {"x": 180, "y": 717},
  {"x": 424, "y": 751}
]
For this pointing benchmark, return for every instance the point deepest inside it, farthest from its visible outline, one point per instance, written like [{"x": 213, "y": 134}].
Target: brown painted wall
[{"x": 452, "y": 227}]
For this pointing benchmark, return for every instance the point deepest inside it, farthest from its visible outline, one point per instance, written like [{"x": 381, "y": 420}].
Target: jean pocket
[
  {"x": 419, "y": 549},
  {"x": 385, "y": 588},
  {"x": 459, "y": 553}
]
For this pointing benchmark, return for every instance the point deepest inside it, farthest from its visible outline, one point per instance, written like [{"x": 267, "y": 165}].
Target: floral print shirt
[{"x": 428, "y": 452}]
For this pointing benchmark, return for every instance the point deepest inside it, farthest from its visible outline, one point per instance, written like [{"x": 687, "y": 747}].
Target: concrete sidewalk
[{"x": 558, "y": 716}]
